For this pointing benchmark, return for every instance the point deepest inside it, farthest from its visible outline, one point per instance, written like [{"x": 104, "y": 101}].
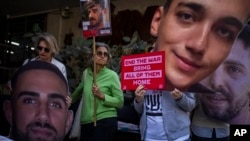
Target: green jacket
[{"x": 109, "y": 83}]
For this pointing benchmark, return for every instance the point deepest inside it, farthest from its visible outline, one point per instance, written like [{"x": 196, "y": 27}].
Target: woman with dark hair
[{"x": 108, "y": 94}]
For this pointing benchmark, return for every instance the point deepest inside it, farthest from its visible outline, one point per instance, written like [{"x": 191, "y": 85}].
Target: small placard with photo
[{"x": 95, "y": 17}]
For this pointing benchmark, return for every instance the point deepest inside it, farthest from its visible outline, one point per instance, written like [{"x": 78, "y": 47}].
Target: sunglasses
[
  {"x": 39, "y": 48},
  {"x": 100, "y": 54}
]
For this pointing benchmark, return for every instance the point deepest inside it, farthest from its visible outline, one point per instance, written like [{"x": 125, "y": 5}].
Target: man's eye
[
  {"x": 234, "y": 69},
  {"x": 95, "y": 10},
  {"x": 224, "y": 32},
  {"x": 56, "y": 105},
  {"x": 29, "y": 101},
  {"x": 186, "y": 17}
]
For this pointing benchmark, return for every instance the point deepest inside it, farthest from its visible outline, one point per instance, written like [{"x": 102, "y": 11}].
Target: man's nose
[
  {"x": 198, "y": 40},
  {"x": 90, "y": 14},
  {"x": 42, "y": 114},
  {"x": 217, "y": 79}
]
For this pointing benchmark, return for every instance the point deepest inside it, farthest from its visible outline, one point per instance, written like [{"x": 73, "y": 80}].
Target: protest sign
[{"x": 146, "y": 69}]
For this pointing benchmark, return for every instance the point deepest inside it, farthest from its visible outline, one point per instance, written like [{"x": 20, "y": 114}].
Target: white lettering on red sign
[
  {"x": 143, "y": 74},
  {"x": 141, "y": 82},
  {"x": 143, "y": 60}
]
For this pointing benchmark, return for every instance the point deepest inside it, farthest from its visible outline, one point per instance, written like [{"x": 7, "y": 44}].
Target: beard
[
  {"x": 27, "y": 135},
  {"x": 95, "y": 23},
  {"x": 218, "y": 114},
  {"x": 224, "y": 114}
]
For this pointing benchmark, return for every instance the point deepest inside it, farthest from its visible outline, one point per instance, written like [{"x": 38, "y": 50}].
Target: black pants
[{"x": 104, "y": 130}]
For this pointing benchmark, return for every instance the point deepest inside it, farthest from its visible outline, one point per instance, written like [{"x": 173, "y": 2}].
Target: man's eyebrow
[
  {"x": 234, "y": 62},
  {"x": 193, "y": 6},
  {"x": 56, "y": 95},
  {"x": 52, "y": 95},
  {"x": 230, "y": 20},
  {"x": 27, "y": 93}
]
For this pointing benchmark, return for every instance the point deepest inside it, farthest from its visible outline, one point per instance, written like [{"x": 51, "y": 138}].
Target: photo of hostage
[
  {"x": 38, "y": 108},
  {"x": 231, "y": 82},
  {"x": 98, "y": 14},
  {"x": 229, "y": 104},
  {"x": 196, "y": 35}
]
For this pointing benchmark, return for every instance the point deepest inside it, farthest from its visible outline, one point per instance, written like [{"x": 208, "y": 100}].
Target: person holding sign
[
  {"x": 196, "y": 36},
  {"x": 108, "y": 94}
]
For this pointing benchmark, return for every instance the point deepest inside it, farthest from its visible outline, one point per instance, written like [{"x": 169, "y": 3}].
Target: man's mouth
[
  {"x": 92, "y": 20},
  {"x": 187, "y": 64},
  {"x": 42, "y": 132},
  {"x": 217, "y": 98}
]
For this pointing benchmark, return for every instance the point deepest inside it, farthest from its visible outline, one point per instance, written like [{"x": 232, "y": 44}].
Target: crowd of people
[{"x": 205, "y": 42}]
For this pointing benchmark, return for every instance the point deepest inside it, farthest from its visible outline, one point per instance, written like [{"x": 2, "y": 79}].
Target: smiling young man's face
[
  {"x": 196, "y": 36},
  {"x": 39, "y": 111}
]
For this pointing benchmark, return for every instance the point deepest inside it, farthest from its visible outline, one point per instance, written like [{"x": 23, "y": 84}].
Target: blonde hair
[{"x": 50, "y": 41}]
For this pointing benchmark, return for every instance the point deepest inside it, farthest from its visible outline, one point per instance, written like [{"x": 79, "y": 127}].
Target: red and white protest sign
[{"x": 146, "y": 69}]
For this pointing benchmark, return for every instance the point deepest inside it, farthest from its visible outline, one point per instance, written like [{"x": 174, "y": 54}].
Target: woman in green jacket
[{"x": 108, "y": 98}]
